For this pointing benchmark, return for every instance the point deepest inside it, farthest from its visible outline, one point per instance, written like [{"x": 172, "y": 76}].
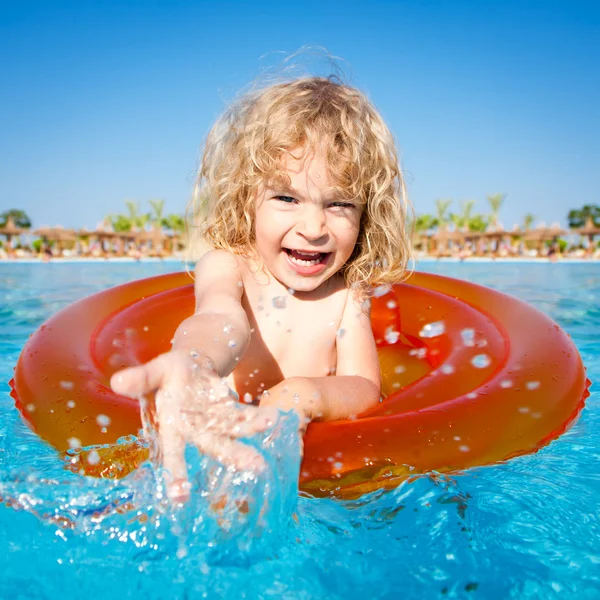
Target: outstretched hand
[{"x": 194, "y": 405}]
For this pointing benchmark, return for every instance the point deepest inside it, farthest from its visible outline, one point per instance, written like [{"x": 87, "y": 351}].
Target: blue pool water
[{"x": 528, "y": 528}]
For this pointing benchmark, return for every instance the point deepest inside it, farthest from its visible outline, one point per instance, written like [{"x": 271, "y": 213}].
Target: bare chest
[{"x": 289, "y": 338}]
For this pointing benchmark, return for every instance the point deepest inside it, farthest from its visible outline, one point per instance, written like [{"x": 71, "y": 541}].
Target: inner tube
[{"x": 471, "y": 377}]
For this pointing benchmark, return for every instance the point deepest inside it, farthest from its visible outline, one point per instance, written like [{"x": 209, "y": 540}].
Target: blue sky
[{"x": 107, "y": 101}]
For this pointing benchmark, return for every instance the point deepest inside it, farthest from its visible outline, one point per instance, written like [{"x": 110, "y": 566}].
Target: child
[{"x": 302, "y": 200}]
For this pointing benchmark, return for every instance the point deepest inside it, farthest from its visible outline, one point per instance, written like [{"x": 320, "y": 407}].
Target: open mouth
[{"x": 306, "y": 259}]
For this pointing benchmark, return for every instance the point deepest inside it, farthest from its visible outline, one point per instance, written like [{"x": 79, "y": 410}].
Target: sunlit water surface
[{"x": 528, "y": 528}]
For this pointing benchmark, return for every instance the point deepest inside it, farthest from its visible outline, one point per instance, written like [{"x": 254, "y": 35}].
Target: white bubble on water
[
  {"x": 532, "y": 385},
  {"x": 506, "y": 383},
  {"x": 71, "y": 404},
  {"x": 399, "y": 369},
  {"x": 67, "y": 385},
  {"x": 481, "y": 361},
  {"x": 432, "y": 330},
  {"x": 447, "y": 369},
  {"x": 464, "y": 448}
]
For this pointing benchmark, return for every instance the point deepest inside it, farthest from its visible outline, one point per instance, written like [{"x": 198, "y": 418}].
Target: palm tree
[
  {"x": 18, "y": 217},
  {"x": 156, "y": 214},
  {"x": 138, "y": 220},
  {"x": 461, "y": 220},
  {"x": 528, "y": 220},
  {"x": 495, "y": 201},
  {"x": 441, "y": 207}
]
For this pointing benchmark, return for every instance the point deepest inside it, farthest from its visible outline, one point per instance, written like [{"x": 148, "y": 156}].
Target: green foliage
[
  {"x": 19, "y": 218},
  {"x": 174, "y": 222},
  {"x": 120, "y": 223},
  {"x": 478, "y": 222},
  {"x": 579, "y": 217}
]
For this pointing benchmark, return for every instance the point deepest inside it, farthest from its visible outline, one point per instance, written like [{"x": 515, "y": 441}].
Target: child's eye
[
  {"x": 342, "y": 205},
  {"x": 286, "y": 199}
]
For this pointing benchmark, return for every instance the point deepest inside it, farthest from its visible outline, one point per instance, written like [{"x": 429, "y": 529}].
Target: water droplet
[
  {"x": 464, "y": 448},
  {"x": 418, "y": 352},
  {"x": 74, "y": 443},
  {"x": 279, "y": 301},
  {"x": 432, "y": 330},
  {"x": 447, "y": 369},
  {"x": 67, "y": 385},
  {"x": 232, "y": 343},
  {"x": 532, "y": 385},
  {"x": 391, "y": 336},
  {"x": 399, "y": 369},
  {"x": 227, "y": 329},
  {"x": 382, "y": 290},
  {"x": 71, "y": 404},
  {"x": 456, "y": 438},
  {"x": 117, "y": 343},
  {"x": 248, "y": 398},
  {"x": 30, "y": 408},
  {"x": 340, "y": 332},
  {"x": 472, "y": 395},
  {"x": 93, "y": 457},
  {"x": 146, "y": 328},
  {"x": 481, "y": 361},
  {"x": 523, "y": 409},
  {"x": 468, "y": 336},
  {"x": 506, "y": 383},
  {"x": 103, "y": 420},
  {"x": 391, "y": 304}
]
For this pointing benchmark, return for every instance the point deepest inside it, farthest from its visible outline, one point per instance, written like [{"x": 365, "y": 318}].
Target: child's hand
[{"x": 194, "y": 405}]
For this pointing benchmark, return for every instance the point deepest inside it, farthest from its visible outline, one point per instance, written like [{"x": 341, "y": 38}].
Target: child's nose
[{"x": 313, "y": 223}]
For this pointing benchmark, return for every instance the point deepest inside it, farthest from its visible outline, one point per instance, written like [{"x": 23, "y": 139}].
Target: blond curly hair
[{"x": 245, "y": 147}]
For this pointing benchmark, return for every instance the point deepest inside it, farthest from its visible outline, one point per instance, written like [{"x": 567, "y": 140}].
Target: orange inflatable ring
[{"x": 470, "y": 377}]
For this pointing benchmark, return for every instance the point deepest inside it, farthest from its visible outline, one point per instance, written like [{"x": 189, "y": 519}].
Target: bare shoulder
[{"x": 217, "y": 262}]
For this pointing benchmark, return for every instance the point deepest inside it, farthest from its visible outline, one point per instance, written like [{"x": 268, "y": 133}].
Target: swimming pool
[{"x": 526, "y": 528}]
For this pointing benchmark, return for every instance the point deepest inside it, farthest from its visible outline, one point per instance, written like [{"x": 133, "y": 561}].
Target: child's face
[{"x": 304, "y": 233}]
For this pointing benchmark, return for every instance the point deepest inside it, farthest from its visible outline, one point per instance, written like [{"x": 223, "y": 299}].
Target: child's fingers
[
  {"x": 229, "y": 452},
  {"x": 172, "y": 445},
  {"x": 140, "y": 380}
]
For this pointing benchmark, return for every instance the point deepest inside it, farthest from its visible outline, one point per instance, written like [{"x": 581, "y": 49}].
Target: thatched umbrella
[
  {"x": 10, "y": 230},
  {"x": 59, "y": 235},
  {"x": 589, "y": 230},
  {"x": 540, "y": 235}
]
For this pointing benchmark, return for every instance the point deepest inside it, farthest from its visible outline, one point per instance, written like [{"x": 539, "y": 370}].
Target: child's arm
[
  {"x": 192, "y": 403},
  {"x": 357, "y": 384}
]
